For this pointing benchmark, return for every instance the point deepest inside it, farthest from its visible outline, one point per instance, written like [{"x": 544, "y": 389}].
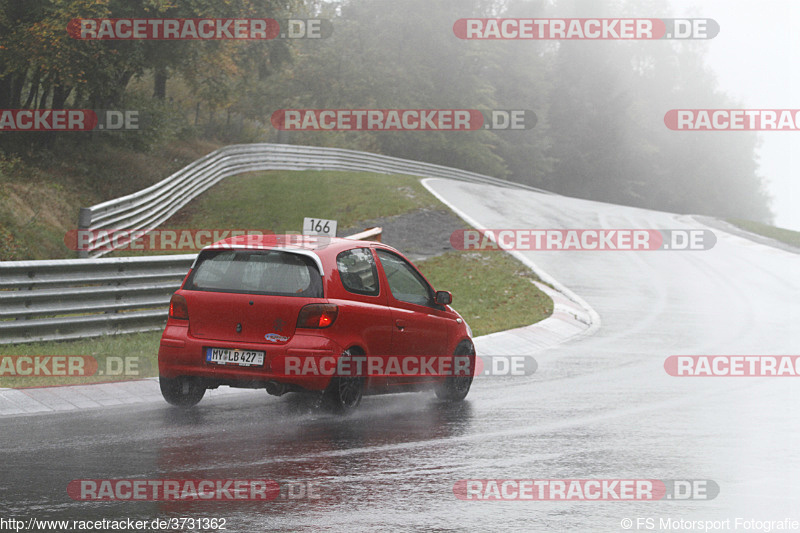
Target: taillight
[
  {"x": 317, "y": 316},
  {"x": 178, "y": 308}
]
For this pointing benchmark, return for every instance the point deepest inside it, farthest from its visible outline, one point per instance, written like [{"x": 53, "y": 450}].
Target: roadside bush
[{"x": 9, "y": 248}]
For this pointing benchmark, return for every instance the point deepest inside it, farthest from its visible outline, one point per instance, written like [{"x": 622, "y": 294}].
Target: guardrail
[
  {"x": 148, "y": 208},
  {"x": 76, "y": 298},
  {"x": 79, "y": 298}
]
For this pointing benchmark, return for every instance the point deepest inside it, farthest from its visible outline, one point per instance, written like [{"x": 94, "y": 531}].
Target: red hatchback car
[{"x": 289, "y": 313}]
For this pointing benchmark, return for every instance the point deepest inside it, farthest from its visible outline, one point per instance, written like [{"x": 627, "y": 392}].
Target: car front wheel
[{"x": 181, "y": 391}]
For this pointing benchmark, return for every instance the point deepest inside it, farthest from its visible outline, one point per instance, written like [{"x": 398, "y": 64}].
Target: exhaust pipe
[{"x": 276, "y": 389}]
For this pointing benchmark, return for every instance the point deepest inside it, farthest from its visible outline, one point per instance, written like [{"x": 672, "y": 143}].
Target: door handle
[{"x": 401, "y": 325}]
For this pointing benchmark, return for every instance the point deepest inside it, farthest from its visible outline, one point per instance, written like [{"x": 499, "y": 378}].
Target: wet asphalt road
[{"x": 599, "y": 407}]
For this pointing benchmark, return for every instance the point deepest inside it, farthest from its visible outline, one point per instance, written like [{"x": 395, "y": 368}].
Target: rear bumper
[{"x": 180, "y": 354}]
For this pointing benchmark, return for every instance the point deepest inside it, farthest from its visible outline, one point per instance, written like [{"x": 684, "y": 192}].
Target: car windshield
[{"x": 256, "y": 272}]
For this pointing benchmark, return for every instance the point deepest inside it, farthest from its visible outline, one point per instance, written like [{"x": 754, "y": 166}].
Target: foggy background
[{"x": 756, "y": 59}]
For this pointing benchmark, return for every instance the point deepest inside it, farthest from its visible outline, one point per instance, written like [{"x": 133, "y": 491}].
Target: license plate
[{"x": 228, "y": 356}]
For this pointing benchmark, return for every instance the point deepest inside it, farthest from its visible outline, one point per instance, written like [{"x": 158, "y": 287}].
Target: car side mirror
[{"x": 443, "y": 298}]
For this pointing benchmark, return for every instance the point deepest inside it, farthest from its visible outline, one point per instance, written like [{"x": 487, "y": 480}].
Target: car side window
[
  {"x": 358, "y": 272},
  {"x": 404, "y": 281}
]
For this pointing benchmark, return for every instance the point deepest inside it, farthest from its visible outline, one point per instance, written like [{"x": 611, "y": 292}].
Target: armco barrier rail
[
  {"x": 77, "y": 298},
  {"x": 150, "y": 207},
  {"x": 80, "y": 298}
]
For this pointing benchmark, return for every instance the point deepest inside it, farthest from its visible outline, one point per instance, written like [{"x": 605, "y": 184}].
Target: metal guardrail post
[{"x": 84, "y": 223}]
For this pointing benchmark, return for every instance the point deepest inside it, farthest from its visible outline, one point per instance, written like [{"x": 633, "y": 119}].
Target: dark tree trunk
[
  {"x": 5, "y": 92},
  {"x": 43, "y": 96},
  {"x": 18, "y": 81},
  {"x": 160, "y": 83},
  {"x": 60, "y": 95},
  {"x": 34, "y": 89}
]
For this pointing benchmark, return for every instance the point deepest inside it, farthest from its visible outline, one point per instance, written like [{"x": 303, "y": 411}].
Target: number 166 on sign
[{"x": 319, "y": 226}]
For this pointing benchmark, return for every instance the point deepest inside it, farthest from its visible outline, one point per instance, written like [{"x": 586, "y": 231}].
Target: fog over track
[{"x": 600, "y": 406}]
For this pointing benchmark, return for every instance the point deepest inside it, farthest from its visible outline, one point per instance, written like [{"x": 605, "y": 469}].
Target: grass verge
[
  {"x": 118, "y": 358},
  {"x": 40, "y": 197},
  {"x": 279, "y": 200},
  {"x": 786, "y": 236},
  {"x": 491, "y": 290}
]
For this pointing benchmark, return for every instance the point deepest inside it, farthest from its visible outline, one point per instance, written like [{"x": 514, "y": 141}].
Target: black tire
[
  {"x": 456, "y": 388},
  {"x": 344, "y": 393},
  {"x": 181, "y": 391}
]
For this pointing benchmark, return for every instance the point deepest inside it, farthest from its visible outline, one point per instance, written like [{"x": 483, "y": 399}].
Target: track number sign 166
[{"x": 319, "y": 226}]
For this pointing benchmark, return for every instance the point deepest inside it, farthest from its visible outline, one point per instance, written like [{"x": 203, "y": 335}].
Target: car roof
[{"x": 315, "y": 247}]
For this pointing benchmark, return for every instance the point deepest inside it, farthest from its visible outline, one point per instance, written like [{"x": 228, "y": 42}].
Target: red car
[{"x": 311, "y": 314}]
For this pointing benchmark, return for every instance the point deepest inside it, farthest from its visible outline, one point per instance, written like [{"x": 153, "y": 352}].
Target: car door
[
  {"x": 420, "y": 326},
  {"x": 367, "y": 308}
]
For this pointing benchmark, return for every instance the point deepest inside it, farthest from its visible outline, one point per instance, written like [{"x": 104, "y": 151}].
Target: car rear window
[{"x": 256, "y": 272}]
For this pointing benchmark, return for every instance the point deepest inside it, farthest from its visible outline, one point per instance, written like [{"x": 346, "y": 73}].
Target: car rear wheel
[
  {"x": 181, "y": 391},
  {"x": 456, "y": 388},
  {"x": 344, "y": 393}
]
